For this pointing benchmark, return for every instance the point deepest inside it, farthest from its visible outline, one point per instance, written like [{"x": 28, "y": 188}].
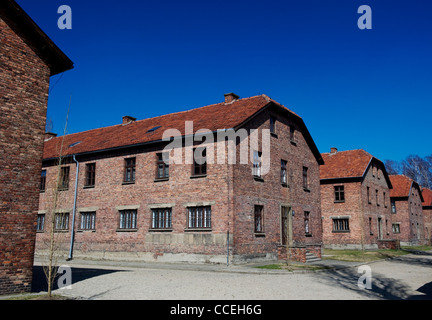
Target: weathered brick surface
[
  {"x": 24, "y": 83},
  {"x": 409, "y": 214},
  {"x": 369, "y": 219},
  {"x": 231, "y": 191}
]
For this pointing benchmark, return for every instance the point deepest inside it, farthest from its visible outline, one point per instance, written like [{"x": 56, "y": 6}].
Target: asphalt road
[{"x": 406, "y": 277}]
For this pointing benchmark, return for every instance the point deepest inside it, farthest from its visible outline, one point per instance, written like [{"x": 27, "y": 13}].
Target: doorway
[{"x": 286, "y": 226}]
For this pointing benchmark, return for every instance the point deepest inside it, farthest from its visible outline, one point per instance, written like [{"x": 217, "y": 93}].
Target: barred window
[
  {"x": 88, "y": 220},
  {"x": 128, "y": 219},
  {"x": 258, "y": 219},
  {"x": 61, "y": 221},
  {"x": 162, "y": 218},
  {"x": 199, "y": 217},
  {"x": 284, "y": 178},
  {"x": 256, "y": 170},
  {"x": 40, "y": 222},
  {"x": 396, "y": 228},
  {"x": 341, "y": 225},
  {"x": 306, "y": 222}
]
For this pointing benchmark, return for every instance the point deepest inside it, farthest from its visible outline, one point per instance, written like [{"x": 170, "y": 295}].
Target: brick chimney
[
  {"x": 128, "y": 119},
  {"x": 230, "y": 97},
  {"x": 333, "y": 150},
  {"x": 50, "y": 135}
]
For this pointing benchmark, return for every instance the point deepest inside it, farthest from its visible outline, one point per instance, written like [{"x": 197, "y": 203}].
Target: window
[
  {"x": 128, "y": 219},
  {"x": 200, "y": 162},
  {"x": 40, "y": 227},
  {"x": 339, "y": 192},
  {"x": 199, "y": 217},
  {"x": 396, "y": 227},
  {"x": 90, "y": 174},
  {"x": 284, "y": 225},
  {"x": 129, "y": 170},
  {"x": 341, "y": 225},
  {"x": 162, "y": 171},
  {"x": 256, "y": 170},
  {"x": 284, "y": 177},
  {"x": 88, "y": 220},
  {"x": 64, "y": 178},
  {"x": 368, "y": 195},
  {"x": 61, "y": 221},
  {"x": 258, "y": 219},
  {"x": 305, "y": 178},
  {"x": 161, "y": 218},
  {"x": 384, "y": 200},
  {"x": 272, "y": 125},
  {"x": 292, "y": 134},
  {"x": 43, "y": 181},
  {"x": 393, "y": 206},
  {"x": 377, "y": 197},
  {"x": 306, "y": 223},
  {"x": 370, "y": 226}
]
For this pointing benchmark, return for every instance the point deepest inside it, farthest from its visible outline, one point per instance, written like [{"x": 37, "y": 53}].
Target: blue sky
[{"x": 369, "y": 89}]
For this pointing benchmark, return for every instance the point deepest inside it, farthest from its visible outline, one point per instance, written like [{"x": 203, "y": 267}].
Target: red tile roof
[
  {"x": 213, "y": 117},
  {"x": 402, "y": 186},
  {"x": 427, "y": 196},
  {"x": 345, "y": 164}
]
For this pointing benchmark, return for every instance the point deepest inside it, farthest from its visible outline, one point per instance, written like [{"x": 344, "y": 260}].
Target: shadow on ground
[
  {"x": 382, "y": 287},
  {"x": 39, "y": 282}
]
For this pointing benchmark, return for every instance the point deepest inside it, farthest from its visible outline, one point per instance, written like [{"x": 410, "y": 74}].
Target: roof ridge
[
  {"x": 164, "y": 115},
  {"x": 360, "y": 149}
]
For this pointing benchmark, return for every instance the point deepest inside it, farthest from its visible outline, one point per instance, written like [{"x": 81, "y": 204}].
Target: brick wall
[
  {"x": 271, "y": 194},
  {"x": 409, "y": 216},
  {"x": 110, "y": 195},
  {"x": 24, "y": 83},
  {"x": 369, "y": 219},
  {"x": 231, "y": 191},
  {"x": 427, "y": 215}
]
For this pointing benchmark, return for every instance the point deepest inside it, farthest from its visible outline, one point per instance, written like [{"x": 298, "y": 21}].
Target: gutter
[{"x": 74, "y": 211}]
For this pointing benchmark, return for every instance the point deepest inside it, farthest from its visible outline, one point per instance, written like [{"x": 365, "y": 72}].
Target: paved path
[{"x": 406, "y": 277}]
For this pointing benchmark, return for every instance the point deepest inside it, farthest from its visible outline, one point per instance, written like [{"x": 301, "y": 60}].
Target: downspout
[{"x": 74, "y": 211}]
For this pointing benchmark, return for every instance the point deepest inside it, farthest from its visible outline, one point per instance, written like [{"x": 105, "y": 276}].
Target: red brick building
[
  {"x": 27, "y": 60},
  {"x": 407, "y": 212},
  {"x": 427, "y": 214},
  {"x": 131, "y": 204},
  {"x": 355, "y": 200}
]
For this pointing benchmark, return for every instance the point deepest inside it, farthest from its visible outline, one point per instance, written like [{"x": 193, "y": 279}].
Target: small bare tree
[{"x": 54, "y": 242}]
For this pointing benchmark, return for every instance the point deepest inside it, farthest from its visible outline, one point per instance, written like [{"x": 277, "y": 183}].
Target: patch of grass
[
  {"x": 418, "y": 248},
  {"x": 291, "y": 267},
  {"x": 361, "y": 256}
]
